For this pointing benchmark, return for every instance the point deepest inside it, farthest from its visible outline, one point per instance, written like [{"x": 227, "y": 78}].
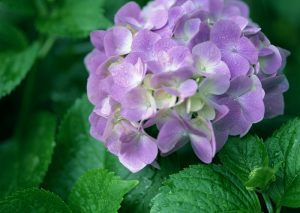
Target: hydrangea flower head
[{"x": 198, "y": 71}]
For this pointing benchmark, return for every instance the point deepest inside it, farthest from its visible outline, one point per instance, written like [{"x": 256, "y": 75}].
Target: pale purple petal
[
  {"x": 271, "y": 63},
  {"x": 187, "y": 89},
  {"x": 97, "y": 39},
  {"x": 138, "y": 104},
  {"x": 118, "y": 41},
  {"x": 130, "y": 13},
  {"x": 94, "y": 59},
  {"x": 202, "y": 148},
  {"x": 98, "y": 125},
  {"x": 128, "y": 76},
  {"x": 206, "y": 53},
  {"x": 144, "y": 42},
  {"x": 137, "y": 151},
  {"x": 187, "y": 29},
  {"x": 170, "y": 135}
]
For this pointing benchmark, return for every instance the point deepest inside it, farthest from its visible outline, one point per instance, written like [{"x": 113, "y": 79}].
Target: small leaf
[
  {"x": 202, "y": 188},
  {"x": 24, "y": 160},
  {"x": 284, "y": 149},
  {"x": 248, "y": 159},
  {"x": 99, "y": 191},
  {"x": 74, "y": 18},
  {"x": 260, "y": 177},
  {"x": 14, "y": 67},
  {"x": 33, "y": 200}
]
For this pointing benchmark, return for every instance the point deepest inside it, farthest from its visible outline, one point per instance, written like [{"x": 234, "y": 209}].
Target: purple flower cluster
[{"x": 197, "y": 70}]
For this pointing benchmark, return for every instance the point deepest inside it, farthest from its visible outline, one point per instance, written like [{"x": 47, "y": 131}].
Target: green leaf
[
  {"x": 284, "y": 149},
  {"x": 260, "y": 177},
  {"x": 99, "y": 191},
  {"x": 150, "y": 180},
  {"x": 76, "y": 151},
  {"x": 24, "y": 160},
  {"x": 202, "y": 188},
  {"x": 33, "y": 200},
  {"x": 19, "y": 7},
  {"x": 248, "y": 159},
  {"x": 74, "y": 18},
  {"x": 14, "y": 67},
  {"x": 11, "y": 38}
]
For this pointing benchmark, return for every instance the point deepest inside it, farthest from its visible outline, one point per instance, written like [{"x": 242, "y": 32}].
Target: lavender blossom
[{"x": 197, "y": 70}]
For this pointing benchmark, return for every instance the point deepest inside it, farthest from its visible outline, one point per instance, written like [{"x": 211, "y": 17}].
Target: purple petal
[
  {"x": 187, "y": 29},
  {"x": 93, "y": 60},
  {"x": 118, "y": 41},
  {"x": 221, "y": 136},
  {"x": 180, "y": 56},
  {"x": 130, "y": 13},
  {"x": 187, "y": 89},
  {"x": 156, "y": 18},
  {"x": 128, "y": 76},
  {"x": 94, "y": 89},
  {"x": 170, "y": 135},
  {"x": 247, "y": 49},
  {"x": 274, "y": 101},
  {"x": 137, "y": 151},
  {"x": 98, "y": 125},
  {"x": 138, "y": 104},
  {"x": 206, "y": 53},
  {"x": 236, "y": 7},
  {"x": 246, "y": 108},
  {"x": 144, "y": 42},
  {"x": 164, "y": 44},
  {"x": 225, "y": 32},
  {"x": 216, "y": 83},
  {"x": 240, "y": 21},
  {"x": 237, "y": 64},
  {"x": 97, "y": 39},
  {"x": 271, "y": 63},
  {"x": 202, "y": 148},
  {"x": 201, "y": 36}
]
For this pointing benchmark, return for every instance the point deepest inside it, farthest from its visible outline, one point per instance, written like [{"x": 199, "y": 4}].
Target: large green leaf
[
  {"x": 76, "y": 151},
  {"x": 74, "y": 18},
  {"x": 14, "y": 67},
  {"x": 99, "y": 191},
  {"x": 248, "y": 159},
  {"x": 24, "y": 160},
  {"x": 33, "y": 200},
  {"x": 204, "y": 188},
  {"x": 284, "y": 148}
]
